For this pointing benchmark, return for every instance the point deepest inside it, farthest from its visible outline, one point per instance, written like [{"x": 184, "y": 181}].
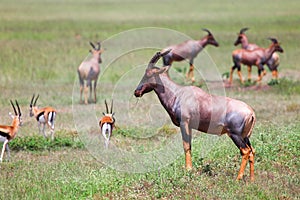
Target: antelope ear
[
  {"x": 163, "y": 69},
  {"x": 103, "y": 114},
  {"x": 11, "y": 115}
]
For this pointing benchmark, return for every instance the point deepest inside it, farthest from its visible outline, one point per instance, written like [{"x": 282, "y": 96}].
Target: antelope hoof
[
  {"x": 193, "y": 80},
  {"x": 239, "y": 177},
  {"x": 264, "y": 72},
  {"x": 188, "y": 168}
]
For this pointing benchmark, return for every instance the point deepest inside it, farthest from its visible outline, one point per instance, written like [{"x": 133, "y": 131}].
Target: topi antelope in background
[
  {"x": 89, "y": 71},
  {"x": 7, "y": 133},
  {"x": 188, "y": 50},
  {"x": 272, "y": 63},
  {"x": 189, "y": 107},
  {"x": 107, "y": 123},
  {"x": 256, "y": 57},
  {"x": 43, "y": 116}
]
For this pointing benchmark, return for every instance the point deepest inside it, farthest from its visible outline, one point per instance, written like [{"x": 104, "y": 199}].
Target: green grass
[
  {"x": 39, "y": 143},
  {"x": 43, "y": 42}
]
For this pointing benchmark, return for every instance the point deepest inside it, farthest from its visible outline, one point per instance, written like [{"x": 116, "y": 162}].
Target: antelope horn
[
  {"x": 19, "y": 110},
  {"x": 36, "y": 100},
  {"x": 206, "y": 30},
  {"x": 93, "y": 45},
  {"x": 274, "y": 40},
  {"x": 157, "y": 56},
  {"x": 243, "y": 30},
  {"x": 111, "y": 106},
  {"x": 99, "y": 46},
  {"x": 106, "y": 106},
  {"x": 13, "y": 107},
  {"x": 32, "y": 99}
]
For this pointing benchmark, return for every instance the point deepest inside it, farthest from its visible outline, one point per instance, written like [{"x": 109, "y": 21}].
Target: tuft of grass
[
  {"x": 39, "y": 143},
  {"x": 288, "y": 87},
  {"x": 167, "y": 130},
  {"x": 249, "y": 83},
  {"x": 273, "y": 82},
  {"x": 293, "y": 107}
]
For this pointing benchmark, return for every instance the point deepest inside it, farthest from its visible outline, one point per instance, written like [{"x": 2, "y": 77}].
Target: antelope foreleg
[
  {"x": 3, "y": 149},
  {"x": 249, "y": 72},
  {"x": 90, "y": 86},
  {"x": 190, "y": 74},
  {"x": 186, "y": 133},
  {"x": 240, "y": 76},
  {"x": 275, "y": 74},
  {"x": 86, "y": 88},
  {"x": 8, "y": 152},
  {"x": 81, "y": 82},
  {"x": 261, "y": 72},
  {"x": 95, "y": 94}
]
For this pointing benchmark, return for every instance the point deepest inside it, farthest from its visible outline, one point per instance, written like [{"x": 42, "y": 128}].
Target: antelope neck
[
  {"x": 244, "y": 43},
  {"x": 269, "y": 51},
  {"x": 203, "y": 42},
  {"x": 166, "y": 91}
]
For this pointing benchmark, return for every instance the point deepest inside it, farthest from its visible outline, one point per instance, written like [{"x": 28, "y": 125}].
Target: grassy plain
[{"x": 43, "y": 42}]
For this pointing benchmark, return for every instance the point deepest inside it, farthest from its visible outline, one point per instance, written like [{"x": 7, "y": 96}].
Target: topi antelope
[
  {"x": 107, "y": 123},
  {"x": 189, "y": 107},
  {"x": 43, "y": 116},
  {"x": 256, "y": 57},
  {"x": 272, "y": 63},
  {"x": 89, "y": 71},
  {"x": 7, "y": 133},
  {"x": 188, "y": 50}
]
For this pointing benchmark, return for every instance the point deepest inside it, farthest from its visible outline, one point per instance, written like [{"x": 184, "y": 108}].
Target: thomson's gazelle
[
  {"x": 43, "y": 116},
  {"x": 7, "y": 133}
]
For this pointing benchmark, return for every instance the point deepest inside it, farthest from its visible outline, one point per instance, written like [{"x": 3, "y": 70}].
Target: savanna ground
[{"x": 43, "y": 42}]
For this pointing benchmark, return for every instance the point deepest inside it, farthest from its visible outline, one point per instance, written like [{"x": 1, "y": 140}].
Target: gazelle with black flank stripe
[
  {"x": 43, "y": 116},
  {"x": 7, "y": 133},
  {"x": 107, "y": 123}
]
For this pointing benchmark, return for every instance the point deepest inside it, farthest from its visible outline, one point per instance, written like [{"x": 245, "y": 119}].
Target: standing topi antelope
[
  {"x": 189, "y": 107},
  {"x": 107, "y": 123},
  {"x": 188, "y": 50},
  {"x": 89, "y": 71},
  {"x": 272, "y": 63},
  {"x": 7, "y": 133},
  {"x": 43, "y": 116},
  {"x": 256, "y": 57}
]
